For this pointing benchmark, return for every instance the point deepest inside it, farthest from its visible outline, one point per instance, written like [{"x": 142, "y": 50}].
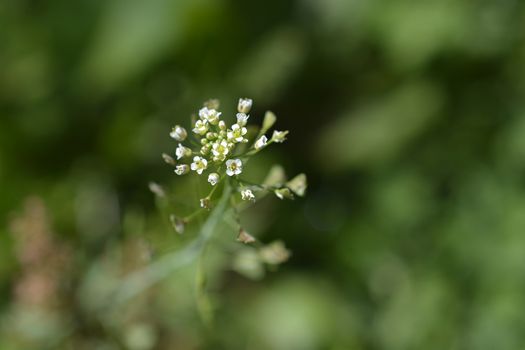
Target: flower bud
[
  {"x": 242, "y": 119},
  {"x": 268, "y": 121},
  {"x": 177, "y": 223},
  {"x": 157, "y": 189},
  {"x": 261, "y": 142},
  {"x": 222, "y": 125},
  {"x": 178, "y": 133},
  {"x": 182, "y": 169},
  {"x": 298, "y": 185},
  {"x": 279, "y": 136},
  {"x": 213, "y": 179},
  {"x": 205, "y": 203},
  {"x": 205, "y": 149},
  {"x": 168, "y": 159},
  {"x": 244, "y": 106},
  {"x": 182, "y": 151},
  {"x": 204, "y": 141},
  {"x": 274, "y": 253},
  {"x": 201, "y": 126},
  {"x": 245, "y": 237},
  {"x": 283, "y": 193},
  {"x": 212, "y": 103}
]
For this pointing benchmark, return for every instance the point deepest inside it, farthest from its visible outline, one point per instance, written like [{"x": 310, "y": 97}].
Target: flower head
[
  {"x": 199, "y": 164},
  {"x": 233, "y": 167},
  {"x": 201, "y": 126},
  {"x": 182, "y": 151},
  {"x": 244, "y": 105},
  {"x": 247, "y": 195},
  {"x": 178, "y": 133},
  {"x": 182, "y": 169},
  {"x": 261, "y": 142},
  {"x": 236, "y": 133},
  {"x": 213, "y": 179}
]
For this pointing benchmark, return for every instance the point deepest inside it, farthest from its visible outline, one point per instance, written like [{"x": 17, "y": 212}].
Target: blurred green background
[{"x": 407, "y": 116}]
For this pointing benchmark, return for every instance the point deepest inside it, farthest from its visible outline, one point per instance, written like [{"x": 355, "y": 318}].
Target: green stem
[{"x": 139, "y": 281}]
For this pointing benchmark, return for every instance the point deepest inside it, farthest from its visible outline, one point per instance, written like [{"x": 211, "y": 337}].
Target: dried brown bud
[{"x": 245, "y": 237}]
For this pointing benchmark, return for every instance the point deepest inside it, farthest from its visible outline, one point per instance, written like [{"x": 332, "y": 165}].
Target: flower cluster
[{"x": 220, "y": 151}]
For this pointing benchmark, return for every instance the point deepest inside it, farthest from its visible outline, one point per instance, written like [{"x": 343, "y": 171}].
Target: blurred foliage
[{"x": 407, "y": 116}]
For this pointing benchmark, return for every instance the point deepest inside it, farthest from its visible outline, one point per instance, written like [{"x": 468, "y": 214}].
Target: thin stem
[
  {"x": 189, "y": 217},
  {"x": 139, "y": 281},
  {"x": 260, "y": 186}
]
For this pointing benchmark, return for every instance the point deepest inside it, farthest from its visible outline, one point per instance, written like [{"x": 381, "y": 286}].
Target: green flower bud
[
  {"x": 268, "y": 121},
  {"x": 283, "y": 193},
  {"x": 298, "y": 185}
]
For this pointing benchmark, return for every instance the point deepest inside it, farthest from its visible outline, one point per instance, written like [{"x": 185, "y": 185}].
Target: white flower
[
  {"x": 236, "y": 133},
  {"x": 261, "y": 142},
  {"x": 181, "y": 169},
  {"x": 279, "y": 136},
  {"x": 233, "y": 167},
  {"x": 178, "y": 133},
  {"x": 220, "y": 149},
  {"x": 247, "y": 195},
  {"x": 182, "y": 151},
  {"x": 201, "y": 126},
  {"x": 244, "y": 106},
  {"x": 213, "y": 179},
  {"x": 242, "y": 119},
  {"x": 210, "y": 115},
  {"x": 199, "y": 164}
]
